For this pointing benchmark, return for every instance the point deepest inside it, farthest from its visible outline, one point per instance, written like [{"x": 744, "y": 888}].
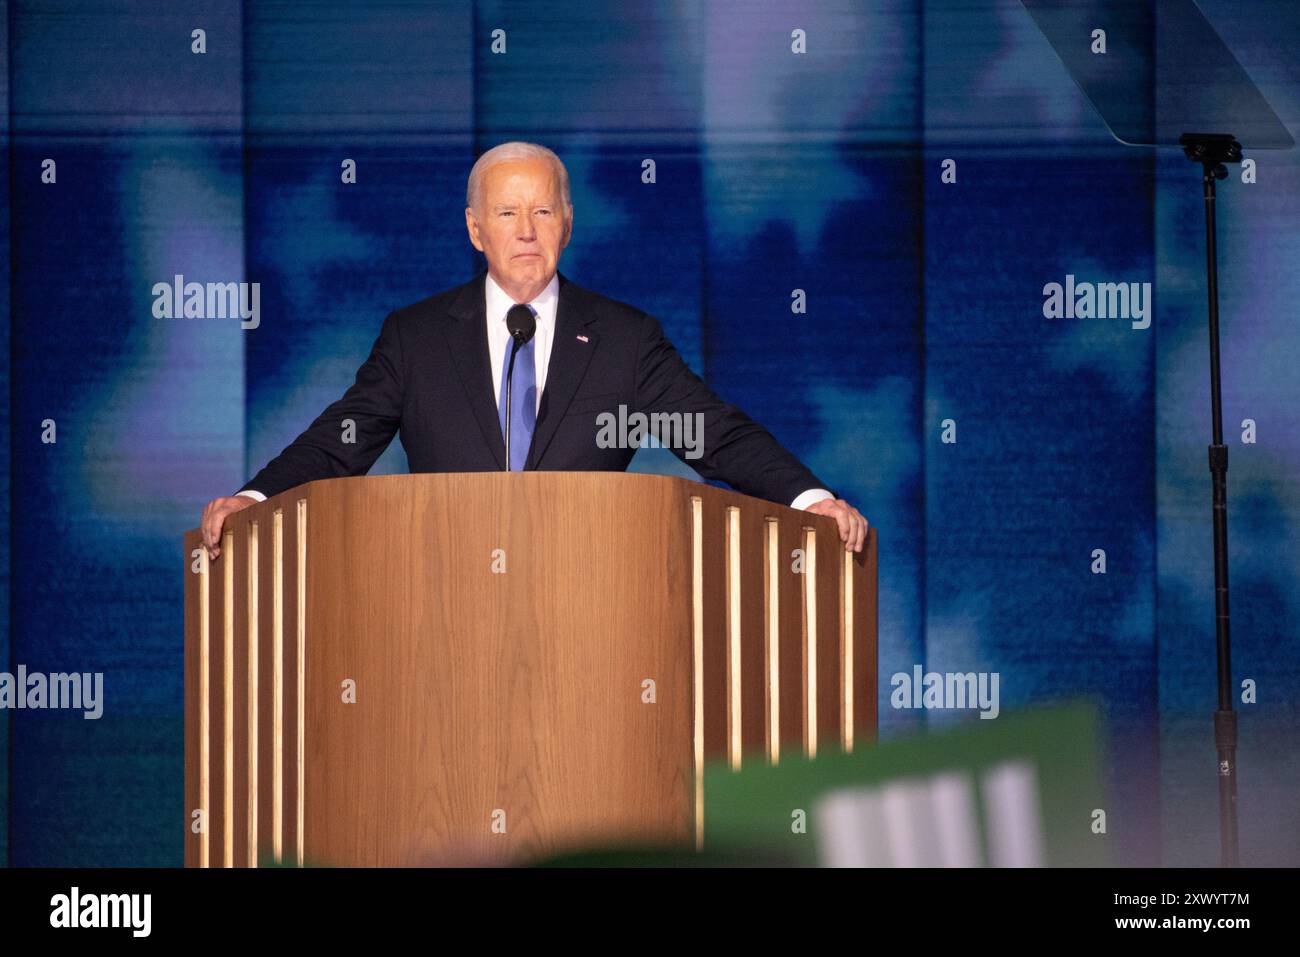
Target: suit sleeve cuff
[
  {"x": 811, "y": 497},
  {"x": 259, "y": 497}
]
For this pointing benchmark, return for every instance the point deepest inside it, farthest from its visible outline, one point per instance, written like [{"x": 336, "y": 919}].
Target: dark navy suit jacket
[{"x": 428, "y": 377}]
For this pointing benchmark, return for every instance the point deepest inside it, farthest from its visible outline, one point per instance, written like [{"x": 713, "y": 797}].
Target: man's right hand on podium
[{"x": 214, "y": 517}]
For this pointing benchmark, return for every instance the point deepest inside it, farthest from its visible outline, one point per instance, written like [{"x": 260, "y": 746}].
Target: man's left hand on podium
[{"x": 853, "y": 527}]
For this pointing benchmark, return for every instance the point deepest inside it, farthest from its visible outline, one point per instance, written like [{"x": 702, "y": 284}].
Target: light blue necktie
[{"x": 523, "y": 401}]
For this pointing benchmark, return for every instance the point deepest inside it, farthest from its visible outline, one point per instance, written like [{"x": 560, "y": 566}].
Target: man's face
[{"x": 521, "y": 225}]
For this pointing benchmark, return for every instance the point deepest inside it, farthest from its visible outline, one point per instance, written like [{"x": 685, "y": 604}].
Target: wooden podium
[{"x": 496, "y": 667}]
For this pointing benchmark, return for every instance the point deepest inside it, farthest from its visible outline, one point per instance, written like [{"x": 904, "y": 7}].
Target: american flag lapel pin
[{"x": 582, "y": 338}]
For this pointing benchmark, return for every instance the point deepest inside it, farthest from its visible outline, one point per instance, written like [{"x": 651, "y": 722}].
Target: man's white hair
[{"x": 515, "y": 150}]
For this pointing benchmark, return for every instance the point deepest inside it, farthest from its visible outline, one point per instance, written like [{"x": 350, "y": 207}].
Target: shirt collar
[{"x": 499, "y": 302}]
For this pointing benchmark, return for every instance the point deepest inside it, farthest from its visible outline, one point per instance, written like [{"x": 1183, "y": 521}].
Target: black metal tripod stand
[{"x": 1212, "y": 151}]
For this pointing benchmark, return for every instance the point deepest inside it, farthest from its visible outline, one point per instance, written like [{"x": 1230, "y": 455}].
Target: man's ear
[
  {"x": 471, "y": 225},
  {"x": 568, "y": 228}
]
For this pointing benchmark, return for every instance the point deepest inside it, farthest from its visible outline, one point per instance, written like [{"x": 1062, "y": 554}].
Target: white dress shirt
[
  {"x": 498, "y": 336},
  {"x": 498, "y": 304}
]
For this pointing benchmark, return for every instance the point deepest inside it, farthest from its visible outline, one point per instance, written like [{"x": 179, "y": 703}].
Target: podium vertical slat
[
  {"x": 809, "y": 642},
  {"x": 300, "y": 672},
  {"x": 269, "y": 607},
  {"x": 732, "y": 594},
  {"x": 250, "y": 754},
  {"x": 848, "y": 650},
  {"x": 196, "y": 633},
  {"x": 753, "y": 644},
  {"x": 830, "y": 652},
  {"x": 865, "y": 614},
  {"x": 714, "y": 590},
  {"x": 216, "y": 714},
  {"x": 771, "y": 631},
  {"x": 791, "y": 612},
  {"x": 287, "y": 719},
  {"x": 697, "y": 665},
  {"x": 238, "y": 698}
]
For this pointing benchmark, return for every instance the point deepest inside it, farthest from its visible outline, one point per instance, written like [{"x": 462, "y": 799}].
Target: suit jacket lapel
[
  {"x": 570, "y": 356},
  {"x": 468, "y": 345}
]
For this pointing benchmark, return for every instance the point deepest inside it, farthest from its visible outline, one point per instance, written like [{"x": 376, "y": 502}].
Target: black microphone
[{"x": 522, "y": 325}]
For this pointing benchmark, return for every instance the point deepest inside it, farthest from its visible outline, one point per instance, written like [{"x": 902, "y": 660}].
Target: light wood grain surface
[{"x": 521, "y": 651}]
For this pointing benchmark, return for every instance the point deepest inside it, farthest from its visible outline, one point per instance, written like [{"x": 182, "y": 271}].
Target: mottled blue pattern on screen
[{"x": 775, "y": 172}]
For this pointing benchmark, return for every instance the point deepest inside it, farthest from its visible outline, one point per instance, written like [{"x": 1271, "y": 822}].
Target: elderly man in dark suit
[{"x": 439, "y": 371}]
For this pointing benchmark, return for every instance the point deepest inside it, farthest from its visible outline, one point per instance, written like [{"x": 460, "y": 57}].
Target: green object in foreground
[{"x": 1020, "y": 790}]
